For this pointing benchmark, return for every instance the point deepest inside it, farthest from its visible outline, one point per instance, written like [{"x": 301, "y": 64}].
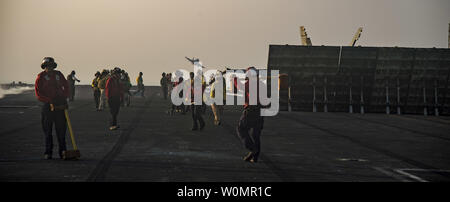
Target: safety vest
[
  {"x": 95, "y": 83},
  {"x": 102, "y": 82}
]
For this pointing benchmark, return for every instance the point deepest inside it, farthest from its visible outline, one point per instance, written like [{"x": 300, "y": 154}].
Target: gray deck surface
[{"x": 153, "y": 146}]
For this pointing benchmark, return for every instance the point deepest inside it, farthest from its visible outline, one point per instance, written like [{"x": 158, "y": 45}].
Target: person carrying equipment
[
  {"x": 95, "y": 89},
  {"x": 114, "y": 93},
  {"x": 52, "y": 89},
  {"x": 71, "y": 79}
]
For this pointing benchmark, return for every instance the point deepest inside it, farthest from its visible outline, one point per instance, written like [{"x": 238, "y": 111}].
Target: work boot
[
  {"x": 254, "y": 158},
  {"x": 202, "y": 125},
  {"x": 62, "y": 155},
  {"x": 217, "y": 122},
  {"x": 249, "y": 157}
]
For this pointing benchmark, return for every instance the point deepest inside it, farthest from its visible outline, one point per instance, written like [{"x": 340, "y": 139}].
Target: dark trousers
[
  {"x": 48, "y": 118},
  {"x": 72, "y": 92},
  {"x": 141, "y": 90},
  {"x": 181, "y": 107},
  {"x": 197, "y": 116},
  {"x": 164, "y": 92},
  {"x": 97, "y": 97},
  {"x": 114, "y": 106},
  {"x": 249, "y": 131}
]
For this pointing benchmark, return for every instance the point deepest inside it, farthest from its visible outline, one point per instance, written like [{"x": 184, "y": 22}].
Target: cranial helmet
[{"x": 48, "y": 62}]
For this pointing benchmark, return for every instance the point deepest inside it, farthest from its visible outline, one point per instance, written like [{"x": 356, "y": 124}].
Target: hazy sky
[{"x": 153, "y": 36}]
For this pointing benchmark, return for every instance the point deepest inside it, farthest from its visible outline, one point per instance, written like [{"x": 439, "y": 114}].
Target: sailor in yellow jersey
[
  {"x": 140, "y": 84},
  {"x": 96, "y": 89},
  {"x": 218, "y": 109}
]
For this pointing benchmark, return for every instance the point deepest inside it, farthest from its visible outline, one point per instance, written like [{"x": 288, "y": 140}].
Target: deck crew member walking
[
  {"x": 114, "y": 93},
  {"x": 164, "y": 83},
  {"x": 251, "y": 122},
  {"x": 96, "y": 90},
  {"x": 196, "y": 108},
  {"x": 71, "y": 79},
  {"x": 104, "y": 76},
  {"x": 140, "y": 85}
]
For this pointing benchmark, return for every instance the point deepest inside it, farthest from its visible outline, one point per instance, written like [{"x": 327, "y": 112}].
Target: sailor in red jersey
[
  {"x": 52, "y": 89},
  {"x": 114, "y": 93},
  {"x": 251, "y": 123}
]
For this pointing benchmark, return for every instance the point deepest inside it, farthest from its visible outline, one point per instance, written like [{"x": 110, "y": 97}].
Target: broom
[{"x": 75, "y": 153}]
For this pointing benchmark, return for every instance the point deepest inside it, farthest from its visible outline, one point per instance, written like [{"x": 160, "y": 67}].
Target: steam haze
[{"x": 153, "y": 36}]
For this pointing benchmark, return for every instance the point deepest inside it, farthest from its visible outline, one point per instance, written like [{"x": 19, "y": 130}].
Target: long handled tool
[{"x": 75, "y": 153}]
